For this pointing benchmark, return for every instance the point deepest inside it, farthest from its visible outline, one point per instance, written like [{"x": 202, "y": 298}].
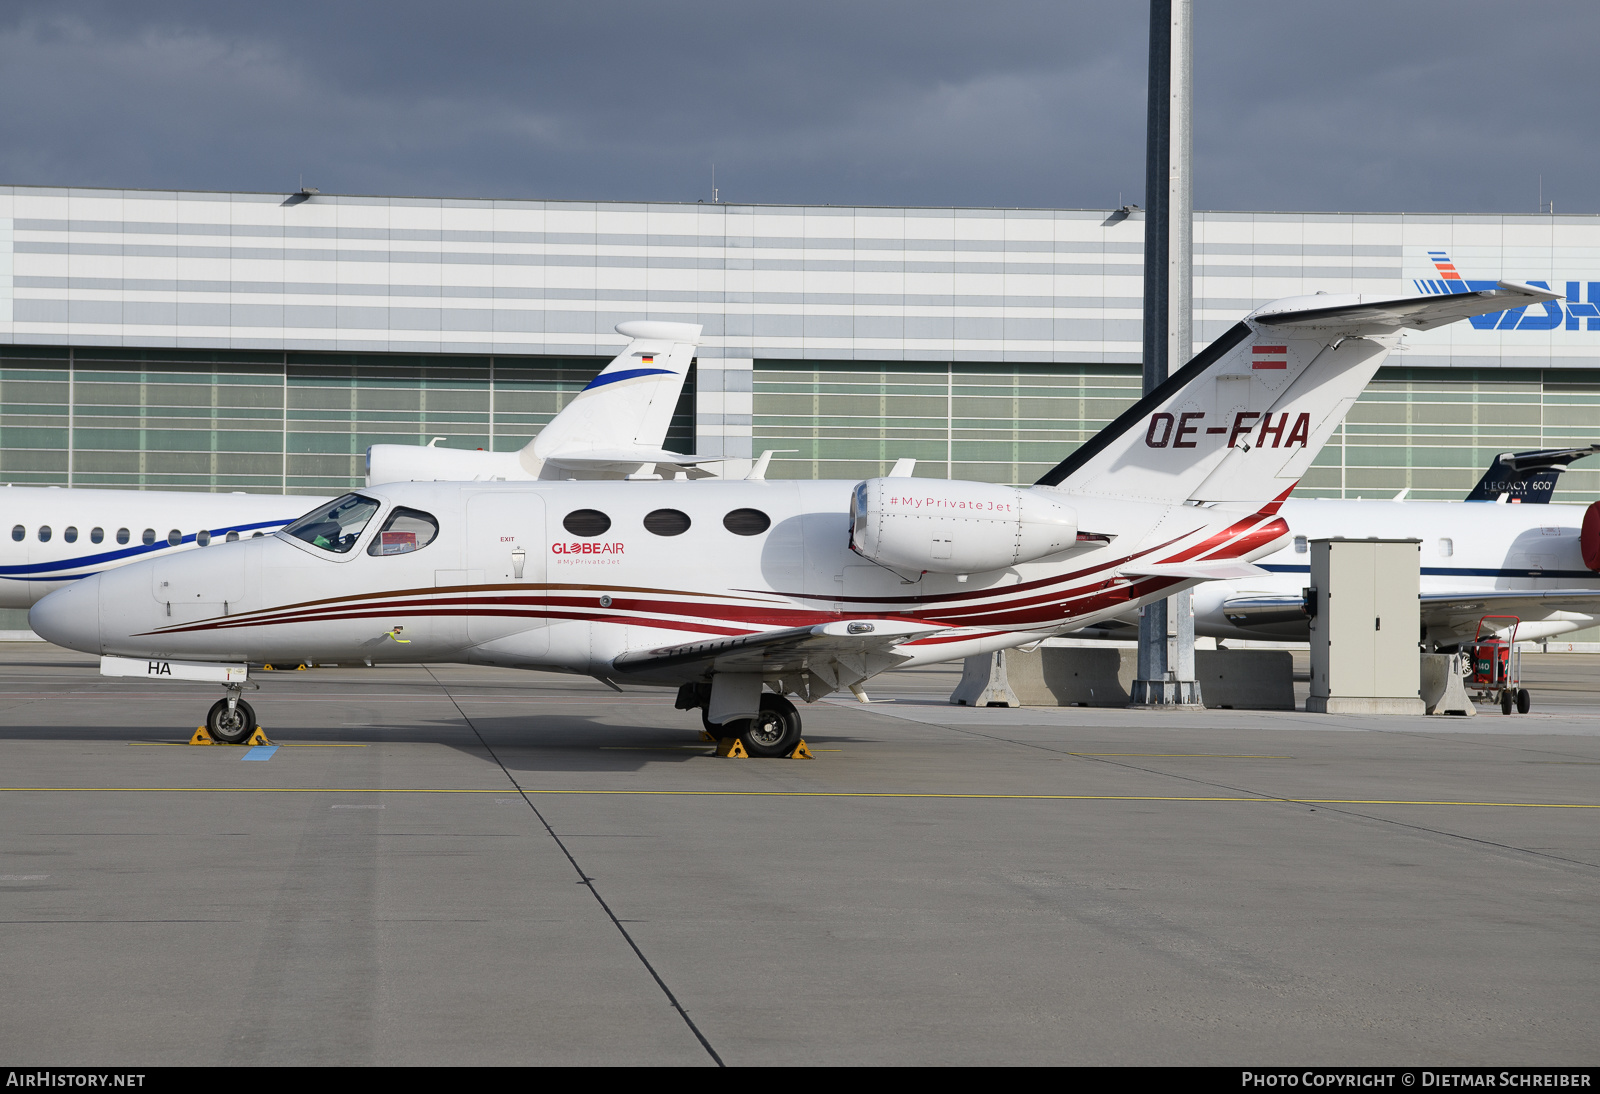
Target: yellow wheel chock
[
  {"x": 266, "y": 668},
  {"x": 732, "y": 748},
  {"x": 704, "y": 736},
  {"x": 202, "y": 737}
]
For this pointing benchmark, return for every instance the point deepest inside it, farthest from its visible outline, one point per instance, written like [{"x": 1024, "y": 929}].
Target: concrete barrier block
[
  {"x": 1085, "y": 676},
  {"x": 1052, "y": 677},
  {"x": 984, "y": 682},
  {"x": 1443, "y": 688},
  {"x": 1245, "y": 679}
]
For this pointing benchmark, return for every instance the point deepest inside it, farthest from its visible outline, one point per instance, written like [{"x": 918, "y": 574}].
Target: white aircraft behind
[
  {"x": 615, "y": 426},
  {"x": 1536, "y": 562},
  {"x": 720, "y": 588}
]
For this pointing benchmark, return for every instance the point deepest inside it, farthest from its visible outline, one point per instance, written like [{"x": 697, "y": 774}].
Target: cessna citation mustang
[
  {"x": 719, "y": 588},
  {"x": 614, "y": 427}
]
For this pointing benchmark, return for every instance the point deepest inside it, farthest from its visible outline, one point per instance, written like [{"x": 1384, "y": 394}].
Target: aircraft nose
[{"x": 70, "y": 617}]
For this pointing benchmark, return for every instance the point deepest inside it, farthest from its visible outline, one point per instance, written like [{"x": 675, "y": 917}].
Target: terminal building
[{"x": 251, "y": 341}]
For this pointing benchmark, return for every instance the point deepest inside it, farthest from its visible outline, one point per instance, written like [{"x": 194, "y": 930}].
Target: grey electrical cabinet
[{"x": 1365, "y": 625}]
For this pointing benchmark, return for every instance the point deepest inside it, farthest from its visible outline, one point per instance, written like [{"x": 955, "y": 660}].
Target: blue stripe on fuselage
[{"x": 41, "y": 569}]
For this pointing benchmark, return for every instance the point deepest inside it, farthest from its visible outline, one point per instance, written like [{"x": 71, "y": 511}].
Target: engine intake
[{"x": 945, "y": 526}]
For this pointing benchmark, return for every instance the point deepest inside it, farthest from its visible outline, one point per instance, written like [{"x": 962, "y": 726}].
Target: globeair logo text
[
  {"x": 1582, "y": 303},
  {"x": 581, "y": 547}
]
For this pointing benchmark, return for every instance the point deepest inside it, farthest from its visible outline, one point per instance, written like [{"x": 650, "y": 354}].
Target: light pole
[{"x": 1165, "y": 676}]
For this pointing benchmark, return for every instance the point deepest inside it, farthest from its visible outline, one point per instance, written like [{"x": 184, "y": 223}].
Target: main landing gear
[{"x": 773, "y": 732}]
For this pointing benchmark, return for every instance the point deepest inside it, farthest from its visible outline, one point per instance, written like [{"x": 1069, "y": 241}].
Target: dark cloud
[{"x": 1358, "y": 105}]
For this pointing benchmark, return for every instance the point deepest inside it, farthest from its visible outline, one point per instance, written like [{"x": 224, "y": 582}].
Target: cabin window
[
  {"x": 1447, "y": 547},
  {"x": 19, "y": 533},
  {"x": 70, "y": 533},
  {"x": 337, "y": 525},
  {"x": 1300, "y": 545},
  {"x": 148, "y": 537},
  {"x": 405, "y": 531},
  {"x": 747, "y": 522},
  {"x": 44, "y": 533},
  {"x": 174, "y": 538},
  {"x": 586, "y": 523},
  {"x": 233, "y": 537},
  {"x": 96, "y": 535},
  {"x": 257, "y": 535},
  {"x": 203, "y": 538},
  {"x": 667, "y": 522},
  {"x": 122, "y": 535}
]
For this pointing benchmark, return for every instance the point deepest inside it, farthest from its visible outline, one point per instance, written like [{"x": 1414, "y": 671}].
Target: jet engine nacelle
[{"x": 944, "y": 526}]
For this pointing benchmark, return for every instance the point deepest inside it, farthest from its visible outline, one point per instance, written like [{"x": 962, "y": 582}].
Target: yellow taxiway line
[{"x": 786, "y": 794}]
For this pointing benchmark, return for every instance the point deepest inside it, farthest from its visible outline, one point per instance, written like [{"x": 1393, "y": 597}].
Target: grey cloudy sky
[{"x": 1445, "y": 105}]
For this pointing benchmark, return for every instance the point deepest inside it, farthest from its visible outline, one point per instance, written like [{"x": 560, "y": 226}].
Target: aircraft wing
[
  {"x": 1386, "y": 315},
  {"x": 1448, "y": 608},
  {"x": 812, "y": 660}
]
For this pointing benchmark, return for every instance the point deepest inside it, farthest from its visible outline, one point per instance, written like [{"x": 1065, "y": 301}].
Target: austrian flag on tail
[{"x": 1269, "y": 357}]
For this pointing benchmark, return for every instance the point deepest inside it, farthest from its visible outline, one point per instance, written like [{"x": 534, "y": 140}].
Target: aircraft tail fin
[
  {"x": 1244, "y": 419},
  {"x": 629, "y": 404},
  {"x": 1527, "y": 477}
]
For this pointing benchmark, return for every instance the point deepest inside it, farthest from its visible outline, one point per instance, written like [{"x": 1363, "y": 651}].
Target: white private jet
[
  {"x": 614, "y": 427},
  {"x": 1534, "y": 561},
  {"x": 719, "y": 588}
]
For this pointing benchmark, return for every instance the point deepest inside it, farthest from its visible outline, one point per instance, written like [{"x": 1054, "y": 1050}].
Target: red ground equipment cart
[{"x": 1496, "y": 668}]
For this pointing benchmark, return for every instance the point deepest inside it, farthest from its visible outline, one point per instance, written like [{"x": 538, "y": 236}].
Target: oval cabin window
[
  {"x": 149, "y": 536},
  {"x": 44, "y": 533},
  {"x": 747, "y": 522},
  {"x": 203, "y": 538},
  {"x": 96, "y": 535},
  {"x": 586, "y": 523},
  {"x": 122, "y": 535},
  {"x": 70, "y": 533},
  {"x": 174, "y": 537},
  {"x": 1300, "y": 546},
  {"x": 19, "y": 533},
  {"x": 667, "y": 522}
]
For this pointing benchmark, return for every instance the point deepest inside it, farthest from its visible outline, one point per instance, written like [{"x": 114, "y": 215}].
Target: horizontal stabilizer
[
  {"x": 1220, "y": 570},
  {"x": 1384, "y": 315}
]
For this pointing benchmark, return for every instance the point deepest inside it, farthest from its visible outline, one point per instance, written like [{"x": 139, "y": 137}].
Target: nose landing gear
[{"x": 231, "y": 720}]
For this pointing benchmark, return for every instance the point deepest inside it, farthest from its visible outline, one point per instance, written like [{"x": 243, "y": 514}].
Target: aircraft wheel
[
  {"x": 773, "y": 732},
  {"x": 230, "y": 727},
  {"x": 1524, "y": 701},
  {"x": 1505, "y": 701}
]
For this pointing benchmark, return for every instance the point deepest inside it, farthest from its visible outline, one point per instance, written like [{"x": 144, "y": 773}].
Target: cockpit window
[
  {"x": 405, "y": 531},
  {"x": 337, "y": 525}
]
